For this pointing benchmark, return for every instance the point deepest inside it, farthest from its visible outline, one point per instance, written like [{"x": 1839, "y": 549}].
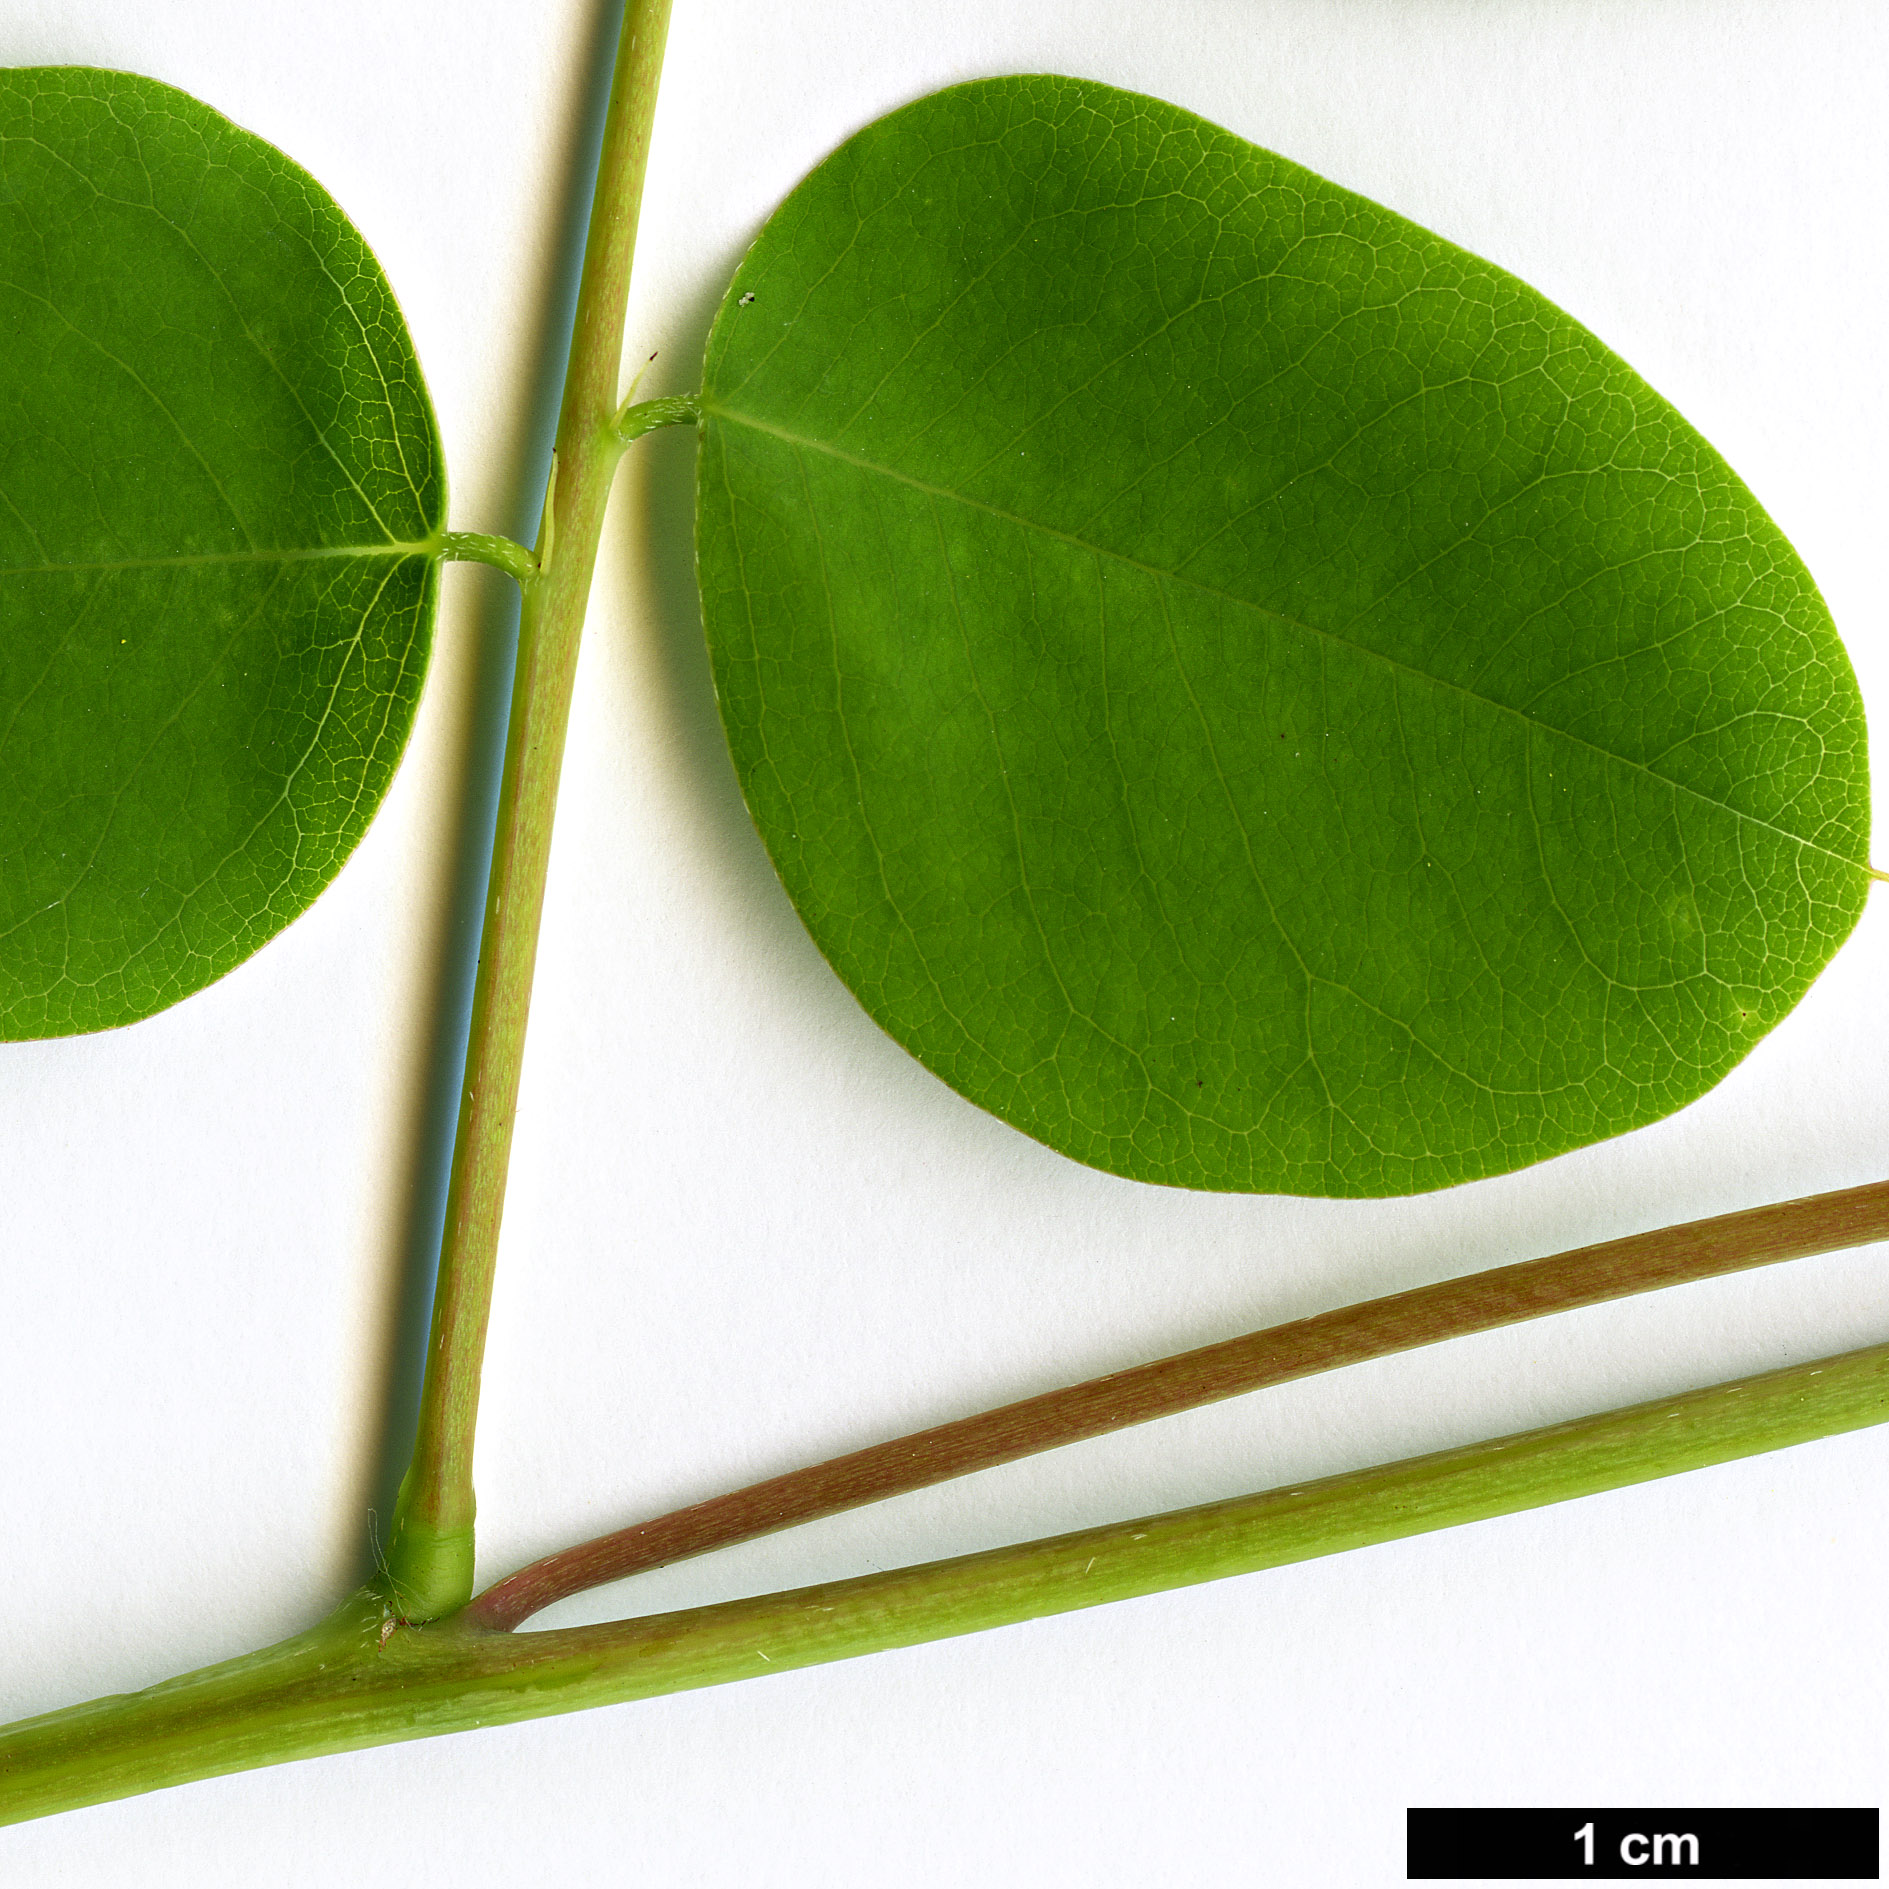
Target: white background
[{"x": 745, "y": 1231}]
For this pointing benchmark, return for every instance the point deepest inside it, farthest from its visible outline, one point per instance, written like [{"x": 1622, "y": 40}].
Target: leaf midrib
[
  {"x": 712, "y": 410},
  {"x": 419, "y": 547}
]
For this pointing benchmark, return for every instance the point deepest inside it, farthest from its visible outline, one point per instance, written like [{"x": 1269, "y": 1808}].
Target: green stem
[
  {"x": 429, "y": 1557},
  {"x": 1700, "y": 1249},
  {"x": 363, "y": 1679}
]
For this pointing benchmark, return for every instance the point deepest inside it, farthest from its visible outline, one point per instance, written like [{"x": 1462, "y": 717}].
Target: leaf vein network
[{"x": 715, "y": 410}]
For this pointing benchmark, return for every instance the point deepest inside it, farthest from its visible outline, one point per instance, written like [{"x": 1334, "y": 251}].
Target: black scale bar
[{"x": 1615, "y": 1845}]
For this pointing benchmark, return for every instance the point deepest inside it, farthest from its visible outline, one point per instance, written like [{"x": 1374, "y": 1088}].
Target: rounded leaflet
[
  {"x": 221, "y": 493},
  {"x": 1253, "y": 695}
]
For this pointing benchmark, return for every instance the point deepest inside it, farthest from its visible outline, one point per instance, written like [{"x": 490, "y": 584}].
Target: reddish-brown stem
[{"x": 1701, "y": 1249}]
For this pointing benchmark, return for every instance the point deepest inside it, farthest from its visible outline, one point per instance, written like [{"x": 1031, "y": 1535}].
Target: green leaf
[
  {"x": 221, "y": 491},
  {"x": 1251, "y": 694}
]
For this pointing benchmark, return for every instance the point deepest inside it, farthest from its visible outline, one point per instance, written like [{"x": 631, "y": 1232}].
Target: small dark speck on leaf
[{"x": 745, "y": 300}]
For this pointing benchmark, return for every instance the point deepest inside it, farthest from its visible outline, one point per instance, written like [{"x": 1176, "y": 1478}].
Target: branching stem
[
  {"x": 429, "y": 1553},
  {"x": 361, "y": 1679}
]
